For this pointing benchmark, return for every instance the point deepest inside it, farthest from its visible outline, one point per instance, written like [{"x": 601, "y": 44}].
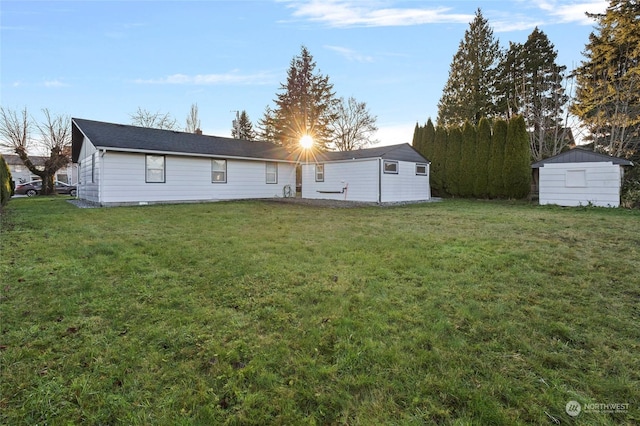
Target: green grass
[{"x": 457, "y": 312}]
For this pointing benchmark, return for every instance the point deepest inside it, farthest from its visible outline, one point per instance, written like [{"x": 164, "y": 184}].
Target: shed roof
[
  {"x": 400, "y": 152},
  {"x": 121, "y": 137},
  {"x": 579, "y": 155}
]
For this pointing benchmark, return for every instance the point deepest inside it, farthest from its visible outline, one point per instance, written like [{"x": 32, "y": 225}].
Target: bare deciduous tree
[
  {"x": 55, "y": 132},
  {"x": 353, "y": 126},
  {"x": 156, "y": 120},
  {"x": 193, "y": 121}
]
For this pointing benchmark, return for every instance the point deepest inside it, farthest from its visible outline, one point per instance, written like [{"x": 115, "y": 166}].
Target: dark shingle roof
[
  {"x": 579, "y": 155},
  {"x": 401, "y": 152},
  {"x": 132, "y": 138},
  {"x": 14, "y": 160}
]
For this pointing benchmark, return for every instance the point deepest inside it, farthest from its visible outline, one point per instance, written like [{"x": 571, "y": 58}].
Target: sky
[{"x": 104, "y": 60}]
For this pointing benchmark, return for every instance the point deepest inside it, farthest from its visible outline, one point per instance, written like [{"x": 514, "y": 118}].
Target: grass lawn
[{"x": 460, "y": 312}]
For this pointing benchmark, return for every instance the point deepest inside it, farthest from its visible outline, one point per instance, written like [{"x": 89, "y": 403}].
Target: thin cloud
[
  {"x": 341, "y": 13},
  {"x": 211, "y": 79},
  {"x": 350, "y": 55},
  {"x": 573, "y": 11},
  {"x": 55, "y": 83}
]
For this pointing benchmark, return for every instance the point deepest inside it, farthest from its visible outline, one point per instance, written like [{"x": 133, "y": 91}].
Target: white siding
[
  {"x": 406, "y": 185},
  {"x": 359, "y": 177},
  {"x": 364, "y": 181},
  {"x": 575, "y": 184},
  {"x": 88, "y": 184},
  {"x": 187, "y": 179}
]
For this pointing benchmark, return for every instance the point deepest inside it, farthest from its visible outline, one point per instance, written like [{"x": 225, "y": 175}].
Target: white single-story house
[
  {"x": 20, "y": 173},
  {"x": 383, "y": 174},
  {"x": 580, "y": 177},
  {"x": 125, "y": 165}
]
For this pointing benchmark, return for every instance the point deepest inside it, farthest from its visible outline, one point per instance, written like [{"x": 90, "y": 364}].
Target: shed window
[
  {"x": 319, "y": 172},
  {"x": 155, "y": 169},
  {"x": 219, "y": 171},
  {"x": 272, "y": 172},
  {"x": 422, "y": 169},
  {"x": 390, "y": 167},
  {"x": 576, "y": 179}
]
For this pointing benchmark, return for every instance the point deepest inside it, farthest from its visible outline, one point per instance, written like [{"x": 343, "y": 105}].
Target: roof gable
[
  {"x": 579, "y": 155},
  {"x": 143, "y": 139},
  {"x": 400, "y": 152}
]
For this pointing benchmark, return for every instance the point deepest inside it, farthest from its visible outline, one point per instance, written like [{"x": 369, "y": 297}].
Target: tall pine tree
[
  {"x": 531, "y": 84},
  {"x": 305, "y": 105},
  {"x": 608, "y": 81},
  {"x": 469, "y": 91}
]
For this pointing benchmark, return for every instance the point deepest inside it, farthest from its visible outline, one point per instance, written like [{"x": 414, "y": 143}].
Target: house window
[
  {"x": 390, "y": 167},
  {"x": 319, "y": 172},
  {"x": 422, "y": 169},
  {"x": 575, "y": 179},
  {"x": 155, "y": 169},
  {"x": 272, "y": 172},
  {"x": 219, "y": 171}
]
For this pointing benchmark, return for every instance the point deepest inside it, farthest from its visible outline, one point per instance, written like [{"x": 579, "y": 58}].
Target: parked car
[{"x": 33, "y": 188}]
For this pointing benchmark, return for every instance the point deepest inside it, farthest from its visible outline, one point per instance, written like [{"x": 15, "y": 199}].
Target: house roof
[
  {"x": 579, "y": 155},
  {"x": 14, "y": 160},
  {"x": 400, "y": 152},
  {"x": 121, "y": 137}
]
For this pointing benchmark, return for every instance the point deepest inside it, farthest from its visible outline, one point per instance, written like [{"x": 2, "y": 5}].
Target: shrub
[{"x": 630, "y": 194}]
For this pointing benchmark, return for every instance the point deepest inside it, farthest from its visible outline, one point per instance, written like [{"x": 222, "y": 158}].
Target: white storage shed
[{"x": 580, "y": 177}]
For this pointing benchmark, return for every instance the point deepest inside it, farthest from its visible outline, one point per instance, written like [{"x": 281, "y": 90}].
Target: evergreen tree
[
  {"x": 243, "y": 128},
  {"x": 469, "y": 91},
  {"x": 467, "y": 160},
  {"x": 416, "y": 142},
  {"x": 453, "y": 163},
  {"x": 266, "y": 126},
  {"x": 428, "y": 139},
  {"x": 517, "y": 160},
  {"x": 608, "y": 81},
  {"x": 305, "y": 105},
  {"x": 531, "y": 85},
  {"x": 483, "y": 154},
  {"x": 438, "y": 162},
  {"x": 495, "y": 176}
]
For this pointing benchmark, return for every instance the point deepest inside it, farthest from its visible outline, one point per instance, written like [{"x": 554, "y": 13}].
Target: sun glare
[{"x": 306, "y": 141}]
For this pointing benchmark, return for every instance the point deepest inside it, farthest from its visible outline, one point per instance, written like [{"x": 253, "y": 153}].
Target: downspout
[{"x": 379, "y": 180}]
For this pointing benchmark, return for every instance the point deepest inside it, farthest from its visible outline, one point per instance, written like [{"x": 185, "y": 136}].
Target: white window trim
[
  {"x": 213, "y": 161},
  {"x": 164, "y": 169},
  {"x": 320, "y": 172},
  {"x": 384, "y": 167},
  {"x": 426, "y": 169},
  {"x": 267, "y": 172}
]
